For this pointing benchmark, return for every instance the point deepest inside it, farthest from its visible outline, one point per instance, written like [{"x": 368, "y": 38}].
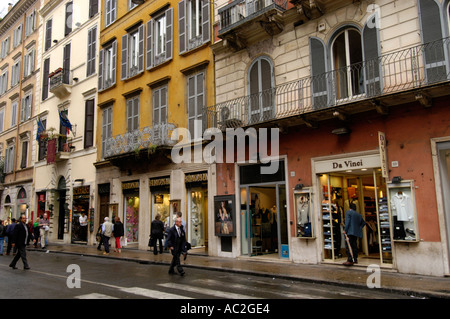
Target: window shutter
[
  {"x": 206, "y": 28},
  {"x": 89, "y": 124},
  {"x": 68, "y": 21},
  {"x": 100, "y": 69},
  {"x": 45, "y": 79},
  {"x": 319, "y": 77},
  {"x": 28, "y": 107},
  {"x": 124, "y": 69},
  {"x": 114, "y": 62},
  {"x": 149, "y": 44},
  {"x": 156, "y": 107},
  {"x": 430, "y": 19},
  {"x": 163, "y": 105},
  {"x": 181, "y": 27},
  {"x": 370, "y": 40},
  {"x": 22, "y": 109},
  {"x": 129, "y": 115},
  {"x": 66, "y": 64},
  {"x": 141, "y": 49},
  {"x": 93, "y": 8},
  {"x": 6, "y": 167},
  {"x": 169, "y": 33},
  {"x": 23, "y": 162},
  {"x": 48, "y": 35}
]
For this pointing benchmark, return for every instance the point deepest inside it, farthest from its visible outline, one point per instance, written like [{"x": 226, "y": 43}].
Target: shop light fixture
[
  {"x": 396, "y": 179},
  {"x": 341, "y": 131}
]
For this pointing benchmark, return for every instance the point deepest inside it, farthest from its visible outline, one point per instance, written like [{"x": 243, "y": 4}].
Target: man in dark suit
[
  {"x": 354, "y": 224},
  {"x": 19, "y": 240},
  {"x": 176, "y": 241}
]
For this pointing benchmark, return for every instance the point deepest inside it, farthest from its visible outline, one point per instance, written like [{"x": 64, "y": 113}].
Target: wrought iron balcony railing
[
  {"x": 159, "y": 135},
  {"x": 240, "y": 11},
  {"x": 60, "y": 83},
  {"x": 403, "y": 70}
]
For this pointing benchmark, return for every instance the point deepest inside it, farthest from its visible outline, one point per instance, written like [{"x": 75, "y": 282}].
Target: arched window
[
  {"x": 347, "y": 58},
  {"x": 260, "y": 87}
]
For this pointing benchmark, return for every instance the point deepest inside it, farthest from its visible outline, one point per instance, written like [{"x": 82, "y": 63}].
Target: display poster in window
[{"x": 224, "y": 215}]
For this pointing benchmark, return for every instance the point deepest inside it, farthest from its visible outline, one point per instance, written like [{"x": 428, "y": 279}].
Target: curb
[{"x": 405, "y": 292}]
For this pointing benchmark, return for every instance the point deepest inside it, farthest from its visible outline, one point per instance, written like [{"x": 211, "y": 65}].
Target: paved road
[{"x": 51, "y": 275}]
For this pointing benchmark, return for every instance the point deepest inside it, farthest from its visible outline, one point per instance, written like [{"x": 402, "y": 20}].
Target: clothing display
[{"x": 402, "y": 207}]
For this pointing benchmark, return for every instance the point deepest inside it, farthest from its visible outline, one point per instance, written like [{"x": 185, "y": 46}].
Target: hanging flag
[
  {"x": 65, "y": 121},
  {"x": 40, "y": 129}
]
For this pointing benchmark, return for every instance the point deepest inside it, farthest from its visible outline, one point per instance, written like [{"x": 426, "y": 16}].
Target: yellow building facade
[{"x": 156, "y": 74}]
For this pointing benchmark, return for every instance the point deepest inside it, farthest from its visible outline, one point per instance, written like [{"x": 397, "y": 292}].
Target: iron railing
[
  {"x": 394, "y": 72},
  {"x": 159, "y": 135},
  {"x": 239, "y": 11}
]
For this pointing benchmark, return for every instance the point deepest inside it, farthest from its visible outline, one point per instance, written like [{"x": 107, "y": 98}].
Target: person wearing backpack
[{"x": 2, "y": 236}]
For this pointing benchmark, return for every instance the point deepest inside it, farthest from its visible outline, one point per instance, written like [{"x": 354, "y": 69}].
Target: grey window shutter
[
  {"x": 181, "y": 26},
  {"x": 319, "y": 76},
  {"x": 149, "y": 44},
  {"x": 66, "y": 64},
  {"x": 370, "y": 40},
  {"x": 100, "y": 70},
  {"x": 169, "y": 33},
  {"x": 129, "y": 115},
  {"x": 156, "y": 107},
  {"x": 89, "y": 124},
  {"x": 48, "y": 35},
  {"x": 206, "y": 28},
  {"x": 22, "y": 110},
  {"x": 141, "y": 49},
  {"x": 114, "y": 62},
  {"x": 45, "y": 79},
  {"x": 430, "y": 19},
  {"x": 124, "y": 63}
]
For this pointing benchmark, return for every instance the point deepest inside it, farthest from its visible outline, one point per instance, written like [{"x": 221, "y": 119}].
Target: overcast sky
[{"x": 4, "y": 6}]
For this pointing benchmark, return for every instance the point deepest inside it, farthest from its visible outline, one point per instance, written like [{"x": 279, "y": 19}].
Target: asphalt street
[{"x": 58, "y": 276}]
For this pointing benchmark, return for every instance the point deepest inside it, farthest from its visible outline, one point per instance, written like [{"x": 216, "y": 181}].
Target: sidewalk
[{"x": 391, "y": 281}]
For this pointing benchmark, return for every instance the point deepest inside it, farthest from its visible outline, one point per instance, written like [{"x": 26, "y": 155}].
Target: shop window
[
  {"x": 261, "y": 90},
  {"x": 304, "y": 216}
]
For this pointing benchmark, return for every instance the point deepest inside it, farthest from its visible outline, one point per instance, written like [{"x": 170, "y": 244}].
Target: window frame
[
  {"x": 157, "y": 94},
  {"x": 132, "y": 119},
  {"x": 4, "y": 81},
  {"x": 17, "y": 36},
  {"x": 91, "y": 51},
  {"x": 107, "y": 66},
  {"x": 107, "y": 126},
  {"x": 15, "y": 72},
  {"x": 14, "y": 108},
  {"x": 5, "y": 47},
  {"x": 28, "y": 63},
  {"x": 195, "y": 97},
  {"x": 111, "y": 14}
]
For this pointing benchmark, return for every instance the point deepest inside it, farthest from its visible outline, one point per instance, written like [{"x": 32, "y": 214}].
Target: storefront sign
[
  {"x": 197, "y": 177},
  {"x": 163, "y": 181},
  {"x": 350, "y": 163},
  {"x": 82, "y": 190},
  {"x": 130, "y": 185},
  {"x": 383, "y": 154}
]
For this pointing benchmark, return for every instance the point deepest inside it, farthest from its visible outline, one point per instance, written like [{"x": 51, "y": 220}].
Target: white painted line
[
  {"x": 155, "y": 294},
  {"x": 206, "y": 291},
  {"x": 94, "y": 296}
]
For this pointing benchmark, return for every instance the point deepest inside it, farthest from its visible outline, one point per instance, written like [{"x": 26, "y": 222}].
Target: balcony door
[
  {"x": 261, "y": 89},
  {"x": 347, "y": 57}
]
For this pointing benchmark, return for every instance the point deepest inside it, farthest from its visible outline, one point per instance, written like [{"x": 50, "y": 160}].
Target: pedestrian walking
[
  {"x": 157, "y": 234},
  {"x": 30, "y": 232},
  {"x": 99, "y": 237},
  {"x": 44, "y": 227},
  {"x": 36, "y": 234},
  {"x": 118, "y": 232},
  {"x": 9, "y": 234},
  {"x": 19, "y": 240},
  {"x": 2, "y": 236},
  {"x": 107, "y": 231},
  {"x": 176, "y": 241},
  {"x": 354, "y": 224}
]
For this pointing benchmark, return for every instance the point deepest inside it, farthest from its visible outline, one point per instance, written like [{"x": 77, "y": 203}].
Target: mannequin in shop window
[
  {"x": 403, "y": 213},
  {"x": 353, "y": 199}
]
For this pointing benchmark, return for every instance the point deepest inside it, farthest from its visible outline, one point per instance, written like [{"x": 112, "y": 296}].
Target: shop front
[
  {"x": 197, "y": 210},
  {"x": 160, "y": 200},
  {"x": 263, "y": 212},
  {"x": 130, "y": 191},
  {"x": 80, "y": 214},
  {"x": 388, "y": 208}
]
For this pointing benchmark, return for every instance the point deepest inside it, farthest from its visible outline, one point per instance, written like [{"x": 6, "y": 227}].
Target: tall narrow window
[
  {"x": 196, "y": 102},
  {"x": 66, "y": 64},
  {"x": 4, "y": 81},
  {"x": 159, "y": 39},
  {"x": 68, "y": 21},
  {"x": 89, "y": 123},
  {"x": 193, "y": 24},
  {"x": 42, "y": 143},
  {"x": 23, "y": 161},
  {"x": 2, "y": 119},
  {"x": 133, "y": 113},
  {"x": 132, "y": 62},
  {"x": 28, "y": 67},
  {"x": 14, "y": 106},
  {"x": 93, "y": 8},
  {"x": 48, "y": 34},
  {"x": 160, "y": 106},
  {"x": 106, "y": 129},
  {"x": 17, "y": 36},
  {"x": 261, "y": 85},
  {"x": 15, "y": 73},
  {"x": 347, "y": 60},
  {"x": 25, "y": 110},
  {"x": 30, "y": 23},
  {"x": 45, "y": 79},
  {"x": 107, "y": 66},
  {"x": 110, "y": 11},
  {"x": 91, "y": 51}
]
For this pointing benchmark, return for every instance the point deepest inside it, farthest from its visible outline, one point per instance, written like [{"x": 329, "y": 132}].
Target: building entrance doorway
[{"x": 367, "y": 190}]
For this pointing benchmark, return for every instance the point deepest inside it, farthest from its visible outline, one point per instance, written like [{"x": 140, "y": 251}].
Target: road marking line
[
  {"x": 155, "y": 294},
  {"x": 95, "y": 296},
  {"x": 206, "y": 291}
]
